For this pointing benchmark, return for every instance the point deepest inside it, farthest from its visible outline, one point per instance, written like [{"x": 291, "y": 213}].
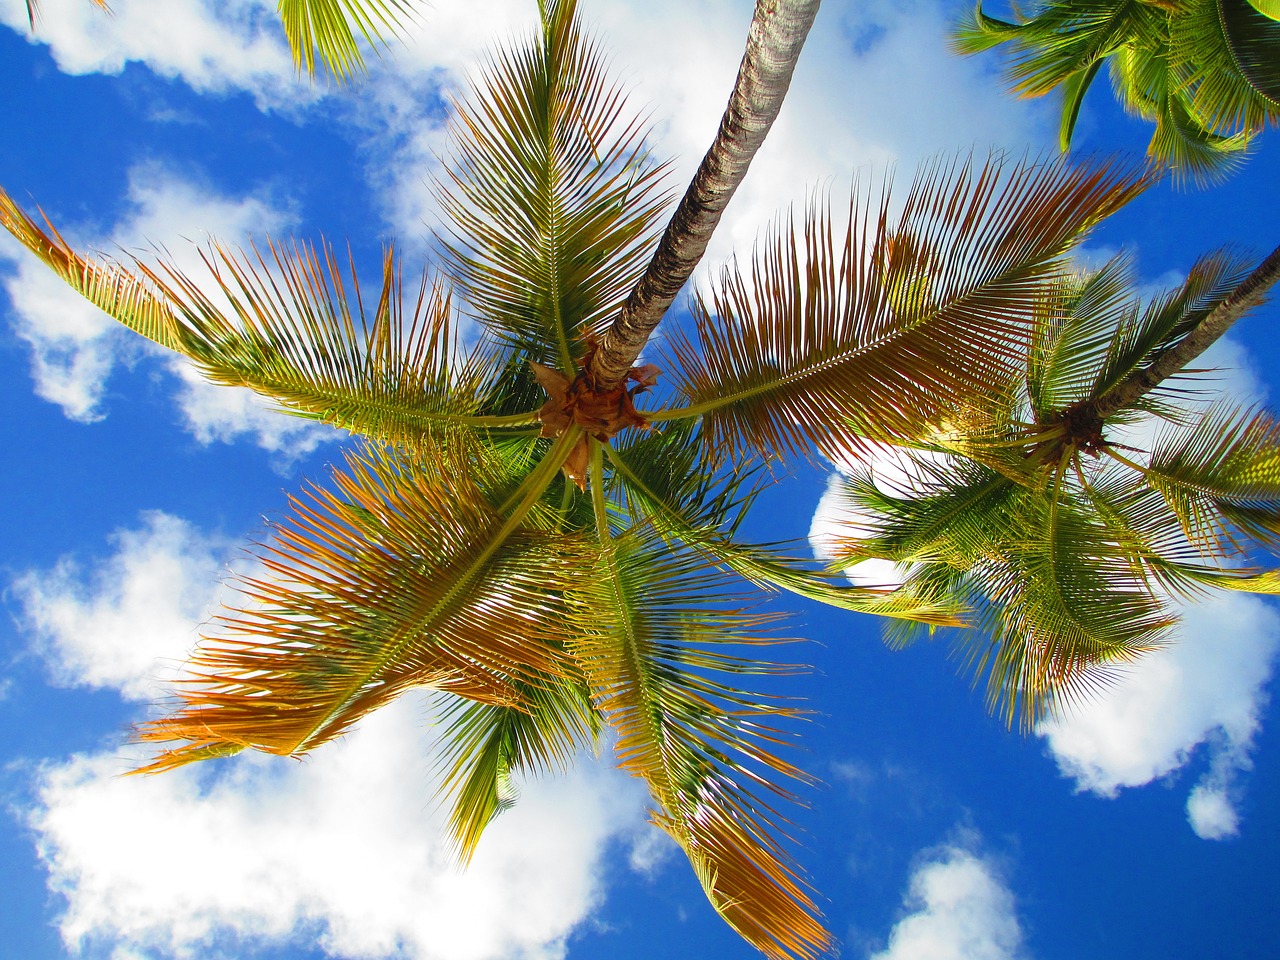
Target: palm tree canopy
[
  {"x": 1069, "y": 531},
  {"x": 550, "y": 557},
  {"x": 1204, "y": 71}
]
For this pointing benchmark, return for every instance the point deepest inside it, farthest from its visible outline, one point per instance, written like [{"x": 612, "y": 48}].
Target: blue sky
[{"x": 1139, "y": 826}]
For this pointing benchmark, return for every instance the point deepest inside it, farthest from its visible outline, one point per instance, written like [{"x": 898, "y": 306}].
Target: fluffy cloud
[
  {"x": 131, "y": 620},
  {"x": 213, "y": 47},
  {"x": 957, "y": 909},
  {"x": 343, "y": 850},
  {"x": 1208, "y": 688},
  {"x": 75, "y": 347}
]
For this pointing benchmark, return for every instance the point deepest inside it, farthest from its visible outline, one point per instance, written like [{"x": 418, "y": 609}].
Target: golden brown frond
[
  {"x": 403, "y": 575},
  {"x": 883, "y": 328}
]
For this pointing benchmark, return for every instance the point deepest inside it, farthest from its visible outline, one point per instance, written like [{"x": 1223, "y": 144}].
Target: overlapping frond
[
  {"x": 1229, "y": 458},
  {"x": 552, "y": 198},
  {"x": 662, "y": 484},
  {"x": 879, "y": 330},
  {"x": 1204, "y": 71},
  {"x": 666, "y": 648},
  {"x": 402, "y": 575}
]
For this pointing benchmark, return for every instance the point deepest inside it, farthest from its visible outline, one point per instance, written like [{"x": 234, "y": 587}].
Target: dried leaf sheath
[{"x": 402, "y": 576}]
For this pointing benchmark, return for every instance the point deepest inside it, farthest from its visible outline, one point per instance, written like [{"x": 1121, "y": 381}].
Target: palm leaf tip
[{"x": 327, "y": 33}]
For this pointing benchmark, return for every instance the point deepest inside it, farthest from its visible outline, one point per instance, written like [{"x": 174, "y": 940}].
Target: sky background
[{"x": 1141, "y": 825}]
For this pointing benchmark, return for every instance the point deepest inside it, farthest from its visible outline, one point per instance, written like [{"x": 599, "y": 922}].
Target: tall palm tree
[
  {"x": 511, "y": 531},
  {"x": 1100, "y": 487},
  {"x": 322, "y": 33},
  {"x": 1206, "y": 72}
]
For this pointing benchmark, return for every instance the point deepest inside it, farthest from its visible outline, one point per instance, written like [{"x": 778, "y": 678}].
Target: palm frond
[
  {"x": 487, "y": 747},
  {"x": 665, "y": 647},
  {"x": 880, "y": 332},
  {"x": 402, "y": 576},
  {"x": 116, "y": 291},
  {"x": 1066, "y": 604},
  {"x": 1230, "y": 456},
  {"x": 324, "y": 32},
  {"x": 551, "y": 195},
  {"x": 663, "y": 488},
  {"x": 287, "y": 328},
  {"x": 1252, "y": 36}
]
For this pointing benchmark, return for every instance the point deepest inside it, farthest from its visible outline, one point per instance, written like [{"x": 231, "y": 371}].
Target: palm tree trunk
[
  {"x": 778, "y": 31},
  {"x": 1251, "y": 292}
]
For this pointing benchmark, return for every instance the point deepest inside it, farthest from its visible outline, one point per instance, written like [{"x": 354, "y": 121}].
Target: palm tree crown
[
  {"x": 1206, "y": 72},
  {"x": 1068, "y": 514}
]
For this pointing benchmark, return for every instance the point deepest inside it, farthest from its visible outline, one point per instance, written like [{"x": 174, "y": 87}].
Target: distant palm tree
[
  {"x": 1070, "y": 513},
  {"x": 1207, "y": 72},
  {"x": 512, "y": 531},
  {"x": 322, "y": 32}
]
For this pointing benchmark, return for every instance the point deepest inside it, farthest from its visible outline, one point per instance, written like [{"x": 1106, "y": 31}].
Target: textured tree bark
[
  {"x": 777, "y": 34},
  {"x": 1251, "y": 292}
]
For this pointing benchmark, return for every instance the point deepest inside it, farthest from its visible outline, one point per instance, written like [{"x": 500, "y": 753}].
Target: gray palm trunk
[
  {"x": 1249, "y": 294},
  {"x": 777, "y": 34}
]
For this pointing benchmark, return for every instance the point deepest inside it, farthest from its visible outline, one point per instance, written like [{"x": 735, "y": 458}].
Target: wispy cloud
[{"x": 212, "y": 47}]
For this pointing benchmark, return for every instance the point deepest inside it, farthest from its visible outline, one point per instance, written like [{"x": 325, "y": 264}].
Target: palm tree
[
  {"x": 1206, "y": 72},
  {"x": 511, "y": 531},
  {"x": 1068, "y": 514},
  {"x": 322, "y": 32}
]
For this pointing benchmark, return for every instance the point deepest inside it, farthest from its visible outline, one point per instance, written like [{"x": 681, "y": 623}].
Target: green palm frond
[
  {"x": 1204, "y": 71},
  {"x": 1231, "y": 456},
  {"x": 403, "y": 575},
  {"x": 1065, "y": 603},
  {"x": 1224, "y": 95},
  {"x": 288, "y": 329},
  {"x": 324, "y": 32},
  {"x": 486, "y": 747},
  {"x": 666, "y": 648},
  {"x": 1252, "y": 32},
  {"x": 664, "y": 487},
  {"x": 551, "y": 196},
  {"x": 833, "y": 339}
]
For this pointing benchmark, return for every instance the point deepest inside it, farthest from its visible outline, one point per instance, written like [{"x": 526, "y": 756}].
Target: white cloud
[
  {"x": 130, "y": 621},
  {"x": 1211, "y": 813},
  {"x": 343, "y": 850},
  {"x": 224, "y": 414},
  {"x": 74, "y": 346},
  {"x": 213, "y": 47},
  {"x": 1208, "y": 688},
  {"x": 958, "y": 909}
]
